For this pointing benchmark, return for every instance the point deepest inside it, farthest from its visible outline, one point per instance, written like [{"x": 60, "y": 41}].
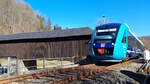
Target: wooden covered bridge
[{"x": 53, "y": 44}]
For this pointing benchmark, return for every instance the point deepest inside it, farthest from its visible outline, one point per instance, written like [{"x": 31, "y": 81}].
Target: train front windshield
[
  {"x": 106, "y": 35},
  {"x": 104, "y": 41}
]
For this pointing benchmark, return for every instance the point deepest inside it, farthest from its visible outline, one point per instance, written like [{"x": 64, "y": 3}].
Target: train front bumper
[{"x": 108, "y": 58}]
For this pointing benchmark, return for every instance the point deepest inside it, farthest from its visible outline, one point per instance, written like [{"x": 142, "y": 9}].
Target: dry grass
[
  {"x": 52, "y": 63},
  {"x": 4, "y": 62},
  {"x": 47, "y": 63}
]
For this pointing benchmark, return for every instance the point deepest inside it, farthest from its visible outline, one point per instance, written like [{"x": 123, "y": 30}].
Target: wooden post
[
  {"x": 44, "y": 62},
  {"x": 17, "y": 66},
  {"x": 8, "y": 66},
  {"x": 61, "y": 59}
]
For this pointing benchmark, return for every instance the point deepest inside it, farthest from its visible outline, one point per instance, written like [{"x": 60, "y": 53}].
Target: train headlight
[
  {"x": 112, "y": 44},
  {"x": 94, "y": 44}
]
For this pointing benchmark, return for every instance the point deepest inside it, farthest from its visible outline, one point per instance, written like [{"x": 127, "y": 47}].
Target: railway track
[{"x": 62, "y": 75}]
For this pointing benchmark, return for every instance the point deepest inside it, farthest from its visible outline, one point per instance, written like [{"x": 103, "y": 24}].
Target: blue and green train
[{"x": 114, "y": 42}]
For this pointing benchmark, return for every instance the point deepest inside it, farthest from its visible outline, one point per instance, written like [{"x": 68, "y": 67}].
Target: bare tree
[
  {"x": 16, "y": 17},
  {"x": 49, "y": 25}
]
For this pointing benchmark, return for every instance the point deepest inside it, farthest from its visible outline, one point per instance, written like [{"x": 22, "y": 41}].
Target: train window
[
  {"x": 124, "y": 38},
  {"x": 106, "y": 35},
  {"x": 109, "y": 33},
  {"x": 131, "y": 40}
]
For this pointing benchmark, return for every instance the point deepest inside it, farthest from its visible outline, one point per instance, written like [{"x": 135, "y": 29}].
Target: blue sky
[{"x": 79, "y": 13}]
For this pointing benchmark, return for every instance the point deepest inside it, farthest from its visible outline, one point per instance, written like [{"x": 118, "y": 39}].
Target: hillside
[
  {"x": 146, "y": 41},
  {"x": 16, "y": 17}
]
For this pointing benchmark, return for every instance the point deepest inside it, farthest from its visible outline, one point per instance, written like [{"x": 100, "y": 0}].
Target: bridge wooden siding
[{"x": 76, "y": 45}]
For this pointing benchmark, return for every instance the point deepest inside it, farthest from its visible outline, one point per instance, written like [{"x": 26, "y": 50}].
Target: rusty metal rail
[
  {"x": 59, "y": 75},
  {"x": 62, "y": 75}
]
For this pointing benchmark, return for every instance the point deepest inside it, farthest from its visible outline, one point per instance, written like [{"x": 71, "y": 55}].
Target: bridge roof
[{"x": 47, "y": 34}]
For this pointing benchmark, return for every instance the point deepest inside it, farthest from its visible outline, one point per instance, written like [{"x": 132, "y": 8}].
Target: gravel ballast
[{"x": 124, "y": 75}]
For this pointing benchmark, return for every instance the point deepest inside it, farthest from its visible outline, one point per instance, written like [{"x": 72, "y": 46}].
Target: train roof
[{"x": 109, "y": 25}]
